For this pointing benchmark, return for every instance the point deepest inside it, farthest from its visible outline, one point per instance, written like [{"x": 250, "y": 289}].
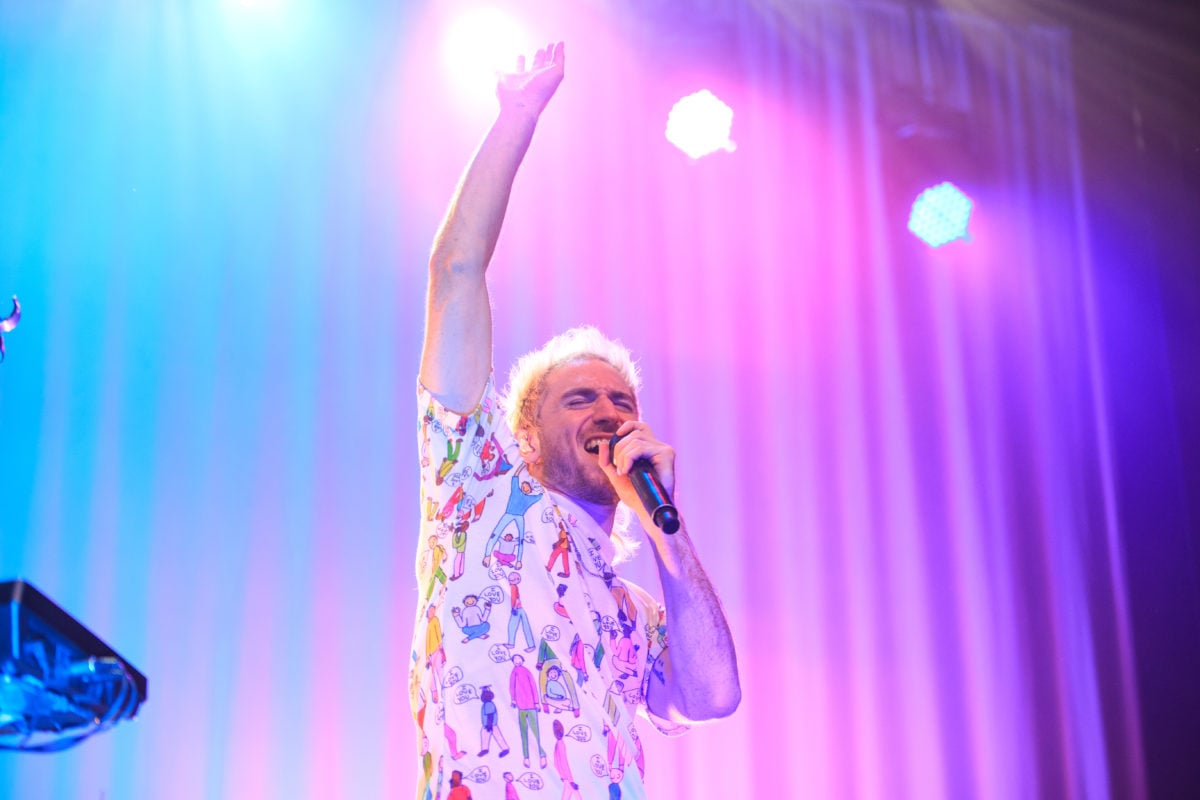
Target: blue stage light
[
  {"x": 59, "y": 684},
  {"x": 940, "y": 215}
]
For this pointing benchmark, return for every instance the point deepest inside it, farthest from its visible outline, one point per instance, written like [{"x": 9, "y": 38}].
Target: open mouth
[{"x": 593, "y": 445}]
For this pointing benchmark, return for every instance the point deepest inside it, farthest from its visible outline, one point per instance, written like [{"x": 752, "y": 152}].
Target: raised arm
[{"x": 457, "y": 356}]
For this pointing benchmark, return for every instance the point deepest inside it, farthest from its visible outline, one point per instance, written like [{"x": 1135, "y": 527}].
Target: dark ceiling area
[{"x": 1137, "y": 80}]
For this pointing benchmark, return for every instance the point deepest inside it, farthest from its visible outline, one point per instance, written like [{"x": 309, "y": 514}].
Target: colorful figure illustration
[
  {"x": 489, "y": 717},
  {"x": 559, "y": 607},
  {"x": 519, "y": 618},
  {"x": 624, "y": 657},
  {"x": 639, "y": 756},
  {"x": 452, "y": 740},
  {"x": 618, "y": 751},
  {"x": 524, "y": 693},
  {"x": 453, "y": 448},
  {"x": 452, "y": 504},
  {"x": 555, "y": 686},
  {"x": 508, "y": 551},
  {"x": 559, "y": 693},
  {"x": 562, "y": 550},
  {"x": 510, "y": 787},
  {"x": 437, "y": 555},
  {"x": 614, "y": 786},
  {"x": 435, "y": 656},
  {"x": 579, "y": 660},
  {"x": 524, "y": 495},
  {"x": 562, "y": 765},
  {"x": 626, "y": 607},
  {"x": 477, "y": 509},
  {"x": 457, "y": 790},
  {"x": 458, "y": 541},
  {"x": 473, "y": 618}
]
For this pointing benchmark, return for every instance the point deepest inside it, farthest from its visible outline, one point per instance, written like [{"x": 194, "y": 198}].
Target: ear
[{"x": 527, "y": 443}]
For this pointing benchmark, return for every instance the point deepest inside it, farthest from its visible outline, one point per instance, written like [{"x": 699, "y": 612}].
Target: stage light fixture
[
  {"x": 9, "y": 323},
  {"x": 700, "y": 124},
  {"x": 59, "y": 684},
  {"x": 940, "y": 215}
]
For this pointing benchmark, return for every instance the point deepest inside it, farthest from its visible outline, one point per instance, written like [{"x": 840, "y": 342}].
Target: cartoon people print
[
  {"x": 555, "y": 686},
  {"x": 457, "y": 790},
  {"x": 492, "y": 460},
  {"x": 562, "y": 765},
  {"x": 435, "y": 656},
  {"x": 473, "y": 618},
  {"x": 489, "y": 718},
  {"x": 560, "y": 692},
  {"x": 437, "y": 555},
  {"x": 619, "y": 757},
  {"x": 579, "y": 660},
  {"x": 452, "y": 740},
  {"x": 625, "y": 652},
  {"x": 560, "y": 607},
  {"x": 508, "y": 550},
  {"x": 458, "y": 541},
  {"x": 525, "y": 493},
  {"x": 562, "y": 550},
  {"x": 453, "y": 449},
  {"x": 522, "y": 688},
  {"x": 510, "y": 787},
  {"x": 519, "y": 618}
]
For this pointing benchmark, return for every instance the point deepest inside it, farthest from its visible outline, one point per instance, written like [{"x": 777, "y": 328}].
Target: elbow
[
  {"x": 725, "y": 703},
  {"x": 458, "y": 257},
  {"x": 449, "y": 264},
  {"x": 716, "y": 704}
]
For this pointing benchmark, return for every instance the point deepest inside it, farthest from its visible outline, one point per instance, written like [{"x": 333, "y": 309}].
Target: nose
[{"x": 604, "y": 409}]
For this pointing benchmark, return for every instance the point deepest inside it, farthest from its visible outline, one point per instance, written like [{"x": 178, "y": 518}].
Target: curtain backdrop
[{"x": 894, "y": 460}]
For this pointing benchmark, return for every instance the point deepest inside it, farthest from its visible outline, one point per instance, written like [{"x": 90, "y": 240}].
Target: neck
[{"x": 603, "y": 513}]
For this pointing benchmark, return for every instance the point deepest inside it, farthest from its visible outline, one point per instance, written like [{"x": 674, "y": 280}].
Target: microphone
[{"x": 654, "y": 497}]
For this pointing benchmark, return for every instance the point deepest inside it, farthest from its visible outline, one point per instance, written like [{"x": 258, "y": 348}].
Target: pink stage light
[
  {"x": 700, "y": 124},
  {"x": 940, "y": 215}
]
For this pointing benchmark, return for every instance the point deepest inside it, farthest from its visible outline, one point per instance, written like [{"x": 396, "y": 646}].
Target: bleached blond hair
[{"x": 527, "y": 378}]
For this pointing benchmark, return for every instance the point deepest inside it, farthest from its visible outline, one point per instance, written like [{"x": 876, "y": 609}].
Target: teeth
[{"x": 593, "y": 445}]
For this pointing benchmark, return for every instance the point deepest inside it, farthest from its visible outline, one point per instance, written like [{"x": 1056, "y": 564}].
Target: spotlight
[
  {"x": 940, "y": 215},
  {"x": 699, "y": 124},
  {"x": 477, "y": 45},
  {"x": 59, "y": 684}
]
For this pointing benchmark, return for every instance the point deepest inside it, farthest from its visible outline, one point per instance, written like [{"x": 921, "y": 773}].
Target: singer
[{"x": 533, "y": 627}]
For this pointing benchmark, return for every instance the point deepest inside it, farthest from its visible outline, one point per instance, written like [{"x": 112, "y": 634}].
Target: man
[{"x": 566, "y": 402}]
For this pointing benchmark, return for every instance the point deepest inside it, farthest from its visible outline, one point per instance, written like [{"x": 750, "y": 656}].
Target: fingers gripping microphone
[{"x": 654, "y": 497}]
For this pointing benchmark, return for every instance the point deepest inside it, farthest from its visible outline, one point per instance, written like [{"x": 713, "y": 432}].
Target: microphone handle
[{"x": 655, "y": 499}]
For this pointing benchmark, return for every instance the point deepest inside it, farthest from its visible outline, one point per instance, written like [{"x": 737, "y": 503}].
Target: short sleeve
[
  {"x": 457, "y": 452},
  {"x": 656, "y": 649}
]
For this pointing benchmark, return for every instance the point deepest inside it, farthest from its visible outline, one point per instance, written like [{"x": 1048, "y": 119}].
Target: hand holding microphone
[{"x": 655, "y": 498}]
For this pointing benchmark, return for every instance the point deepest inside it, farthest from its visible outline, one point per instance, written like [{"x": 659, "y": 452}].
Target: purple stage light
[
  {"x": 940, "y": 215},
  {"x": 699, "y": 124}
]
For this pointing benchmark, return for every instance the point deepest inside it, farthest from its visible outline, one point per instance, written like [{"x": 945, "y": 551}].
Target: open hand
[{"x": 530, "y": 89}]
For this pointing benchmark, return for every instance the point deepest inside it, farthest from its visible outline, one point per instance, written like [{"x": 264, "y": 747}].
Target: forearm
[
  {"x": 468, "y": 233},
  {"x": 702, "y": 680}
]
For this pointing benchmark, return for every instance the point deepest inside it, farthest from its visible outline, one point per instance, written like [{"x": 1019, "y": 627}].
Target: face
[{"x": 584, "y": 402}]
